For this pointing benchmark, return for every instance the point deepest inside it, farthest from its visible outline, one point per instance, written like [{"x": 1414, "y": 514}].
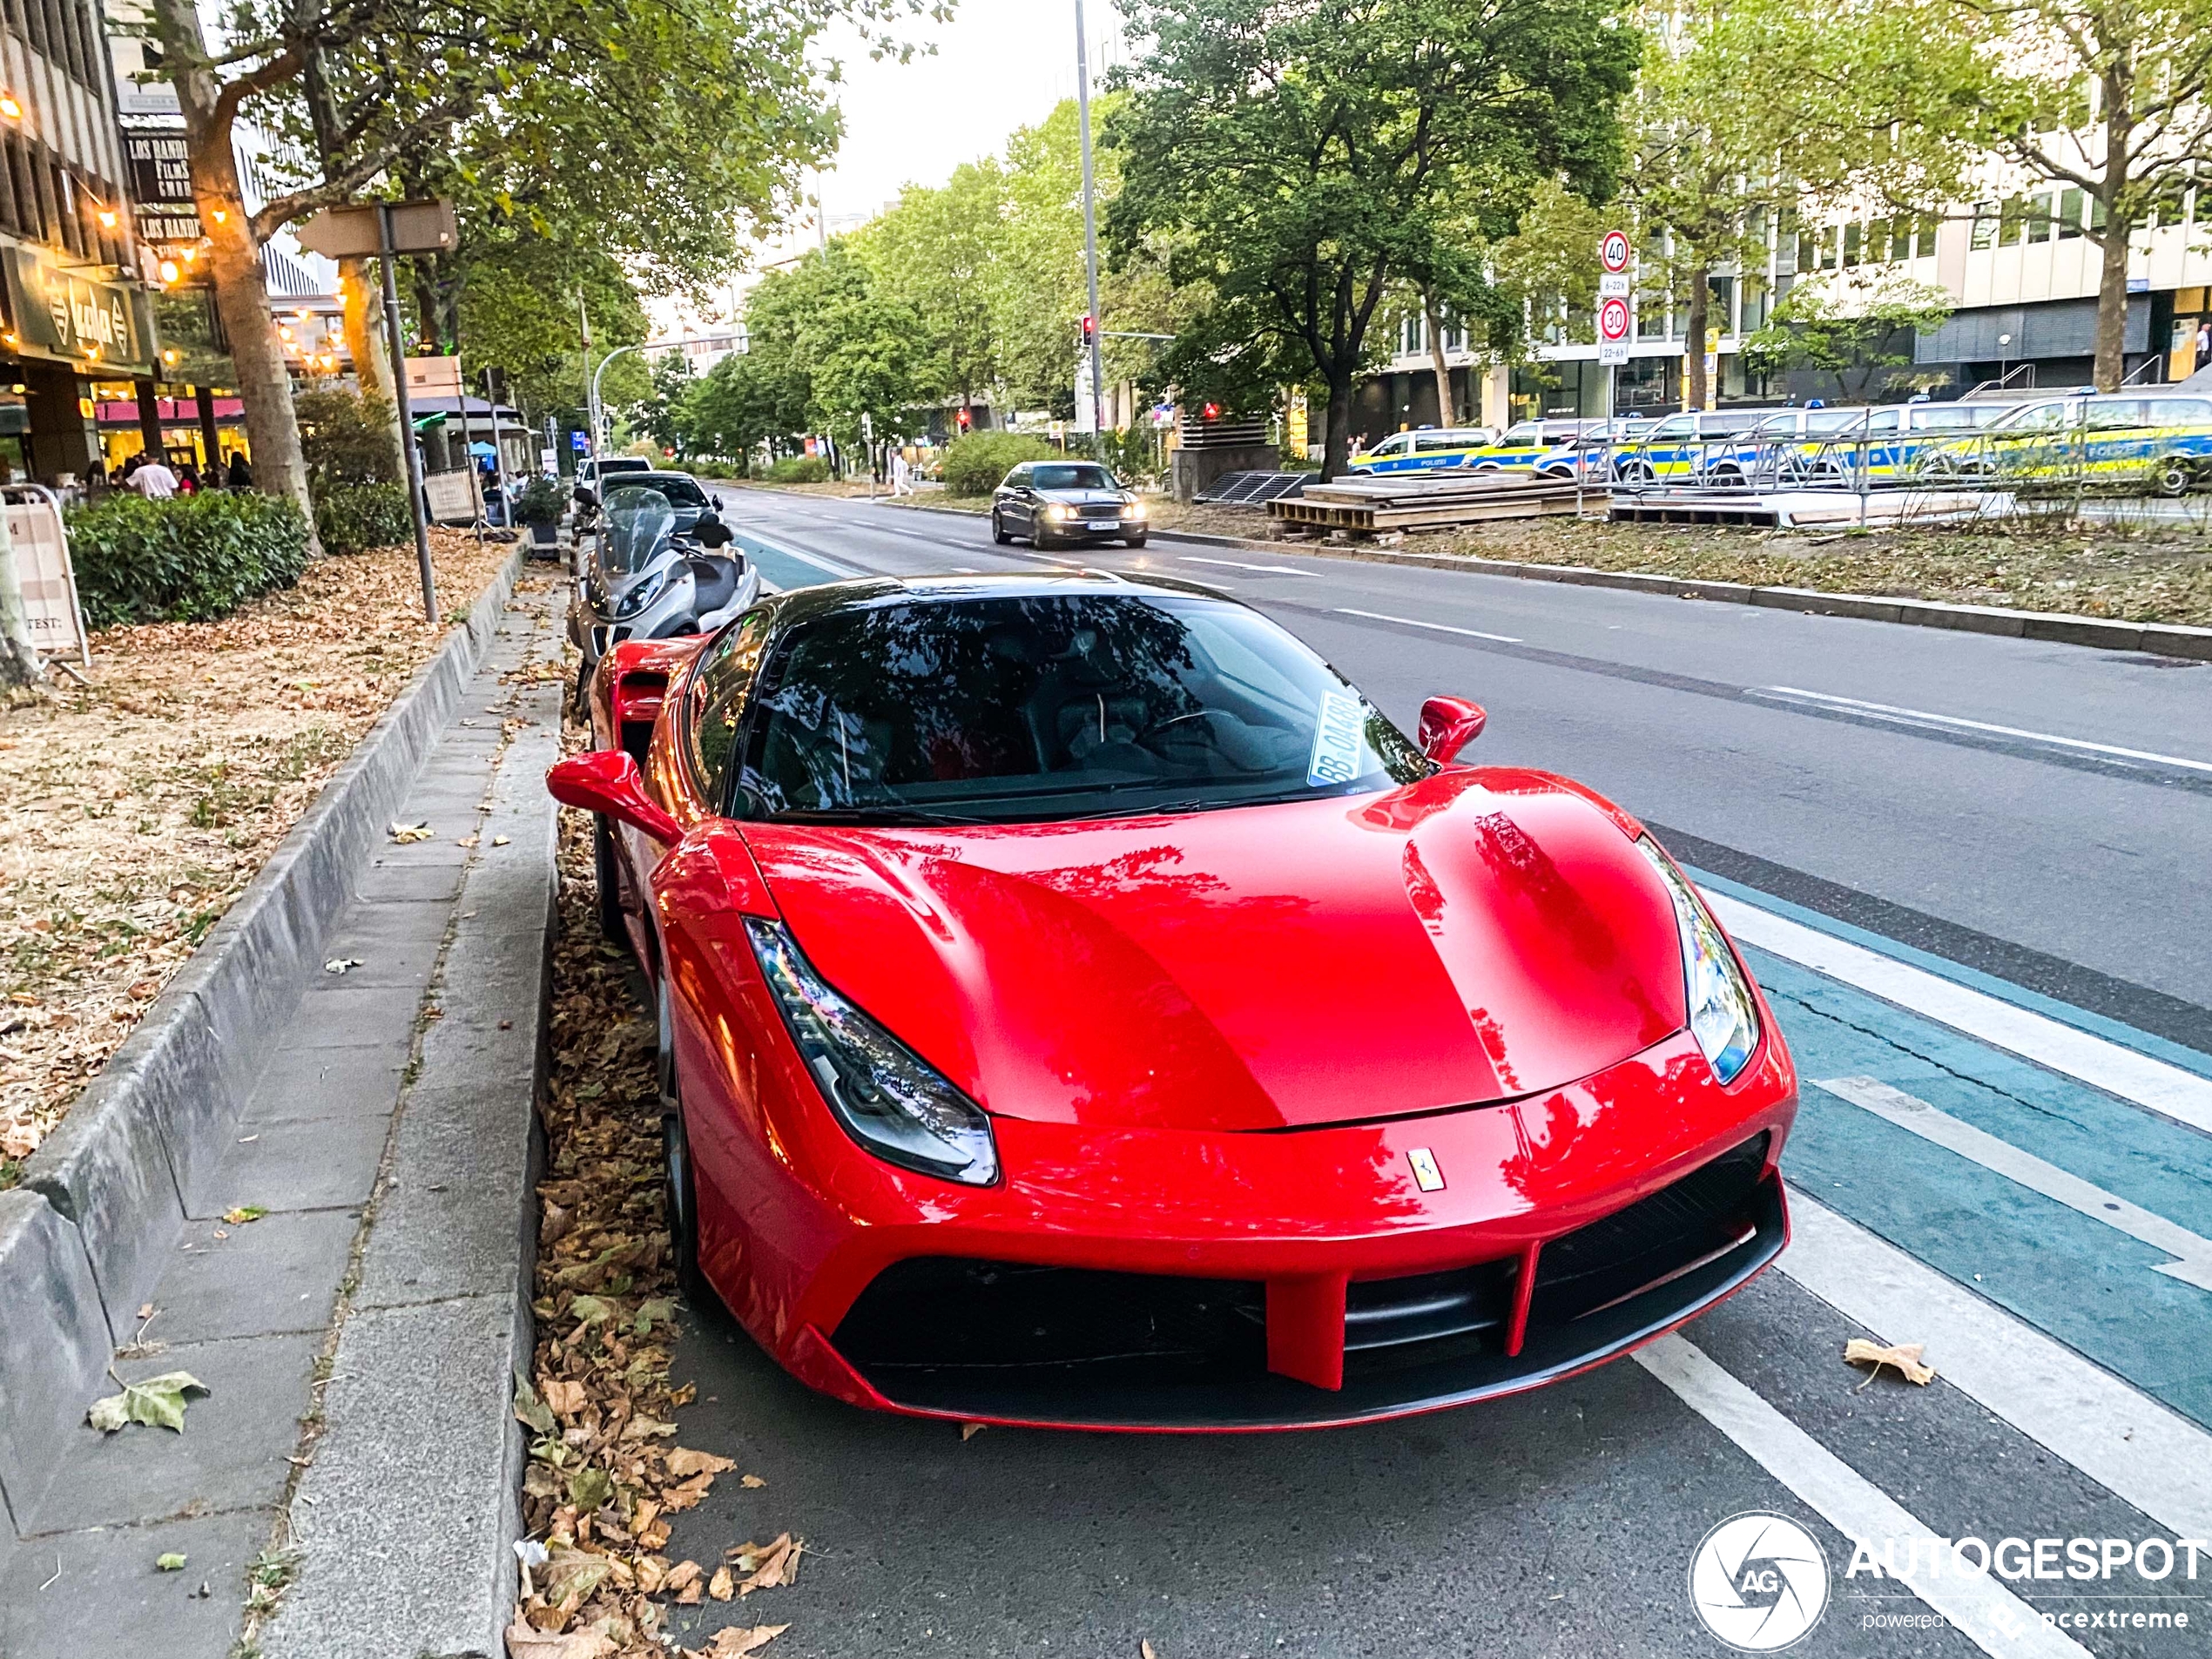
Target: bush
[
  {"x": 347, "y": 438},
  {"x": 799, "y": 469},
  {"x": 352, "y": 518},
  {"x": 540, "y": 502},
  {"x": 191, "y": 558},
  {"x": 975, "y": 464}
]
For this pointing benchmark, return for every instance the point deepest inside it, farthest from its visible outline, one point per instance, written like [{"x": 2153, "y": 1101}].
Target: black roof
[{"x": 861, "y": 593}]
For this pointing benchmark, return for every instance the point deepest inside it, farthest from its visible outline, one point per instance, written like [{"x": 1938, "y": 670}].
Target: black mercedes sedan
[{"x": 1057, "y": 502}]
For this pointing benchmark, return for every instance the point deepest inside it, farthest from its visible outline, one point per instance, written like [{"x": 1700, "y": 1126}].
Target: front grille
[
  {"x": 1078, "y": 1345},
  {"x": 1709, "y": 1209}
]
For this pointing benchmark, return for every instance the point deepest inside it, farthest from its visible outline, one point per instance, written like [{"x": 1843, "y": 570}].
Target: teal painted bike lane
[{"x": 2084, "y": 1282}]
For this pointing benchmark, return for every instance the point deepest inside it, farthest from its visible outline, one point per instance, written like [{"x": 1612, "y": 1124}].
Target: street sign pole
[
  {"x": 407, "y": 415},
  {"x": 498, "y": 452},
  {"x": 1090, "y": 238}
]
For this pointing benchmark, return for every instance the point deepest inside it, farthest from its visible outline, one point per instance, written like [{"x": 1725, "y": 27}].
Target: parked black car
[{"x": 1057, "y": 502}]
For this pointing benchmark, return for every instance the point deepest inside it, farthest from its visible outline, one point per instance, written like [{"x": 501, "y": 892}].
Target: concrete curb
[
  {"x": 2055, "y": 627},
  {"x": 113, "y": 1176},
  {"x": 405, "y": 1519}
]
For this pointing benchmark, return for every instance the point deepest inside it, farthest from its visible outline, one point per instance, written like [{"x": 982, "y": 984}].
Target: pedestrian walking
[
  {"x": 152, "y": 479},
  {"x": 902, "y": 475},
  {"x": 242, "y": 476}
]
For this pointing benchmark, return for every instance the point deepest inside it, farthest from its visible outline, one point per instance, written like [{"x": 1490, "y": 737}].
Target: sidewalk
[{"x": 360, "y": 1234}]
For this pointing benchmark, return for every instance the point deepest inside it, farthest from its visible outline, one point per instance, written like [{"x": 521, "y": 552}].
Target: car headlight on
[
  {"x": 1133, "y": 507},
  {"x": 643, "y": 595},
  {"x": 1723, "y": 1017},
  {"x": 887, "y": 1097}
]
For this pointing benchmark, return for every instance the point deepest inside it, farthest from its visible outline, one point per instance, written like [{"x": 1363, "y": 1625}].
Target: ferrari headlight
[
  {"x": 1723, "y": 1017},
  {"x": 643, "y": 595},
  {"x": 887, "y": 1097}
]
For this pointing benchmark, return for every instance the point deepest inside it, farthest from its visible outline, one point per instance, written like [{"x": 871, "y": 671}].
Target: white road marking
[
  {"x": 1922, "y": 716},
  {"x": 1932, "y": 1123},
  {"x": 2127, "y": 1442},
  {"x": 1988, "y": 1614},
  {"x": 2152, "y": 1085},
  {"x": 1240, "y": 564},
  {"x": 1439, "y": 627}
]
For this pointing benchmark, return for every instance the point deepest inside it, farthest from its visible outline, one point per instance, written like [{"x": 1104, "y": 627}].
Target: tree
[
  {"x": 1306, "y": 160},
  {"x": 866, "y": 356},
  {"x": 517, "y": 297},
  {"x": 2113, "y": 100},
  {"x": 578, "y": 100},
  {"x": 346, "y": 437},
  {"x": 940, "y": 254},
  {"x": 664, "y": 415},
  {"x": 1863, "y": 343}
]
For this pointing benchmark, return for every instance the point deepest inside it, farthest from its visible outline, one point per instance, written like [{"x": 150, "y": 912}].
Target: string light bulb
[{"x": 11, "y": 106}]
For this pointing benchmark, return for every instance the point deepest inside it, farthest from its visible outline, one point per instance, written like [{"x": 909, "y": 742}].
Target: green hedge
[
  {"x": 799, "y": 469},
  {"x": 352, "y": 518},
  {"x": 974, "y": 464},
  {"x": 191, "y": 558}
]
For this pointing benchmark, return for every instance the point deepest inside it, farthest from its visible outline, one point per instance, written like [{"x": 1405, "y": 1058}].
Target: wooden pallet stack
[{"x": 1431, "y": 500}]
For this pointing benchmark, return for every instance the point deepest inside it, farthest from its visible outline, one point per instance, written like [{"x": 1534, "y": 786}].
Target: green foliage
[
  {"x": 664, "y": 416},
  {"x": 352, "y": 518},
  {"x": 799, "y": 469},
  {"x": 1864, "y": 344},
  {"x": 347, "y": 438},
  {"x": 191, "y": 558},
  {"x": 975, "y": 464},
  {"x": 1294, "y": 166},
  {"x": 540, "y": 502},
  {"x": 866, "y": 356},
  {"x": 518, "y": 312}
]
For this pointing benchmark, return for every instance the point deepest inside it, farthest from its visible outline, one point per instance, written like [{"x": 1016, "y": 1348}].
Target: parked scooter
[{"x": 646, "y": 579}]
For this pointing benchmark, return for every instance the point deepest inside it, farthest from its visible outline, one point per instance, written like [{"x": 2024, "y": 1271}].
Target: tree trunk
[
  {"x": 1337, "y": 454},
  {"x": 1699, "y": 391},
  {"x": 2112, "y": 307},
  {"x": 234, "y": 262},
  {"x": 1447, "y": 412},
  {"x": 360, "y": 294}
]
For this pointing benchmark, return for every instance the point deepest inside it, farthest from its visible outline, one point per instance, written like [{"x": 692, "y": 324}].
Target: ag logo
[{"x": 1759, "y": 1582}]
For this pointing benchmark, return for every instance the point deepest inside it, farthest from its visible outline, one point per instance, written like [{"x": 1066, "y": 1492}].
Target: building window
[
  {"x": 2073, "y": 206},
  {"x": 1986, "y": 216},
  {"x": 2042, "y": 216}
]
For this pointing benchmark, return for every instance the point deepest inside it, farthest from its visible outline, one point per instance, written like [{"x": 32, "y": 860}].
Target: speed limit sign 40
[
  {"x": 1613, "y": 251},
  {"x": 1613, "y": 330}
]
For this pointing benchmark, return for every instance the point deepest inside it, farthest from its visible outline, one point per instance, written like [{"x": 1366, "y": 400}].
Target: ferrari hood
[{"x": 1483, "y": 934}]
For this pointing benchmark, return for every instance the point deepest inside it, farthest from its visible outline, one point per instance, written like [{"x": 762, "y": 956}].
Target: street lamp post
[{"x": 1091, "y": 237}]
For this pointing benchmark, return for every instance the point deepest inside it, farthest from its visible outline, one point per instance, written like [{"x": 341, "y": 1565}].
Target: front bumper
[{"x": 1167, "y": 1280}]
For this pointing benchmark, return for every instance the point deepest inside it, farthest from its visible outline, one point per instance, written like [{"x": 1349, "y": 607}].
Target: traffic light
[
  {"x": 1089, "y": 325},
  {"x": 1212, "y": 412},
  {"x": 966, "y": 419}
]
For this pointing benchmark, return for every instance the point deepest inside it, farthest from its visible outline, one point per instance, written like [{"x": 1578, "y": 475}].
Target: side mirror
[
  {"x": 608, "y": 781},
  {"x": 1448, "y": 725},
  {"x": 586, "y": 499},
  {"x": 711, "y": 532}
]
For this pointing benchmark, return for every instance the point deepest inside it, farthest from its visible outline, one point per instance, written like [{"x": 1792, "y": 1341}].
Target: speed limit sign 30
[{"x": 1613, "y": 330}]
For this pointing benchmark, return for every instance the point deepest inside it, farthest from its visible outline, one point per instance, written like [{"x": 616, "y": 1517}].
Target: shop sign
[
  {"x": 75, "y": 316},
  {"x": 161, "y": 190}
]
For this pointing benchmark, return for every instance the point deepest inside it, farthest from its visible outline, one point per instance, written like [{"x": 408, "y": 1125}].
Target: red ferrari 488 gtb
[{"x": 1080, "y": 1006}]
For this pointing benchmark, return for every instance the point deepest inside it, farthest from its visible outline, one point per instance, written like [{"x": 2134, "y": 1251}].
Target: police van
[
  {"x": 2154, "y": 439},
  {"x": 1429, "y": 449}
]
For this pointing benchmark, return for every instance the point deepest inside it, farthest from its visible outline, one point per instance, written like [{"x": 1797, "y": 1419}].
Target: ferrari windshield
[
  {"x": 1028, "y": 709},
  {"x": 638, "y": 520}
]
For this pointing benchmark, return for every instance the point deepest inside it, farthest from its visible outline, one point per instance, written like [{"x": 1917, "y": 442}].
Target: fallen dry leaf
[
  {"x": 722, "y": 1586},
  {"x": 1906, "y": 1358},
  {"x": 405, "y": 833},
  {"x": 683, "y": 1463},
  {"x": 1145, "y": 1649},
  {"x": 563, "y": 1397},
  {"x": 524, "y": 1642},
  {"x": 753, "y": 1480},
  {"x": 969, "y": 1431},
  {"x": 680, "y": 1577},
  {"x": 767, "y": 1567},
  {"x": 158, "y": 1402},
  {"x": 734, "y": 1644}
]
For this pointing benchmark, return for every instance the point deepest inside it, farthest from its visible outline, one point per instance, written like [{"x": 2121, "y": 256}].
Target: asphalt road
[{"x": 1980, "y": 908}]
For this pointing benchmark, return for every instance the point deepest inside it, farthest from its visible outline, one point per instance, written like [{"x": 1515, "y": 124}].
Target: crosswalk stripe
[
  {"x": 2127, "y": 1442},
  {"x": 1990, "y": 1616},
  {"x": 2152, "y": 1085},
  {"x": 1931, "y": 1123}
]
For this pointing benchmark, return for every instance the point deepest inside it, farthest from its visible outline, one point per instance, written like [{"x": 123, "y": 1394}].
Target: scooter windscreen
[{"x": 636, "y": 524}]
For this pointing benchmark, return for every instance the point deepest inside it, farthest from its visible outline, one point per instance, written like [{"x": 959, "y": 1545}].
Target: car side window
[
  {"x": 1017, "y": 478},
  {"x": 718, "y": 689}
]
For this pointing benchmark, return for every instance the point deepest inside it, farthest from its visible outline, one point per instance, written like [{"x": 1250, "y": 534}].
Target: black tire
[
  {"x": 607, "y": 868},
  {"x": 680, "y": 1204},
  {"x": 1133, "y": 541},
  {"x": 580, "y": 700},
  {"x": 998, "y": 531}
]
